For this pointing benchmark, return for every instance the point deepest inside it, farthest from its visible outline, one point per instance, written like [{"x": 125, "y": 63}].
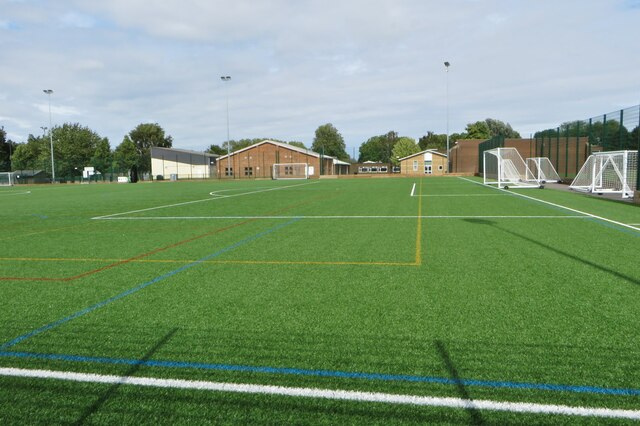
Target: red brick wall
[{"x": 259, "y": 161}]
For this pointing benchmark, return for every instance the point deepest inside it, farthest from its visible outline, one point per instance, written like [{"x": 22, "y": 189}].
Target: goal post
[
  {"x": 7, "y": 178},
  {"x": 505, "y": 168},
  {"x": 543, "y": 170},
  {"x": 613, "y": 172},
  {"x": 290, "y": 171}
]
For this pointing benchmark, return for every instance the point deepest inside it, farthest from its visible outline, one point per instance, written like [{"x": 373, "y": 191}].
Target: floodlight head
[
  {"x": 446, "y": 64},
  {"x": 48, "y": 91},
  {"x": 225, "y": 78}
]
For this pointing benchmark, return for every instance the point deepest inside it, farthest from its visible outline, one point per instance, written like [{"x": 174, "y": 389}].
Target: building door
[{"x": 427, "y": 169}]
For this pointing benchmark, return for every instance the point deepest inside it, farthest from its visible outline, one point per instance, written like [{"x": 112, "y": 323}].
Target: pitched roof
[
  {"x": 281, "y": 145},
  {"x": 433, "y": 151},
  {"x": 184, "y": 151}
]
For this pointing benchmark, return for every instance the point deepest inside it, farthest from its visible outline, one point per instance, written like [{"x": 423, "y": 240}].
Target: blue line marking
[
  {"x": 326, "y": 373},
  {"x": 141, "y": 286}
]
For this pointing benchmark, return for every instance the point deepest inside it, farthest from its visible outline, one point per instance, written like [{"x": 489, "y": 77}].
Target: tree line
[{"x": 76, "y": 146}]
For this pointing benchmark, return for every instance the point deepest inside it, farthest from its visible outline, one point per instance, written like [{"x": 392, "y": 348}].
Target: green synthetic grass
[{"x": 491, "y": 294}]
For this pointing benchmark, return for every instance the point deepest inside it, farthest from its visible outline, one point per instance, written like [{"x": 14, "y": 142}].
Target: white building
[{"x": 172, "y": 164}]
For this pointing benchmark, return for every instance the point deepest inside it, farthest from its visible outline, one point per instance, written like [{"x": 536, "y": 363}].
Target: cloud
[
  {"x": 366, "y": 66},
  {"x": 77, "y": 20}
]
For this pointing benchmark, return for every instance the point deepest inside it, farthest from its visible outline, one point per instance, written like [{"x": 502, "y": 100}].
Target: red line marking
[{"x": 158, "y": 250}]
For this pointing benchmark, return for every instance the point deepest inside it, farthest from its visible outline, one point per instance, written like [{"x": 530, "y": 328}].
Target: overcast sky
[{"x": 366, "y": 66}]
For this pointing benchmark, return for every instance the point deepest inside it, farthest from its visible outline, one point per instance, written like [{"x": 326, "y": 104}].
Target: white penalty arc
[{"x": 333, "y": 394}]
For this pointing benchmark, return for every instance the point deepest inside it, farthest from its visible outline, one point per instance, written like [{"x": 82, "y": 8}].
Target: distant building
[
  {"x": 429, "y": 162},
  {"x": 32, "y": 176},
  {"x": 170, "y": 163},
  {"x": 257, "y": 160}
]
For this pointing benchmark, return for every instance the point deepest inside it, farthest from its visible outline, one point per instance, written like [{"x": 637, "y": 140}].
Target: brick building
[
  {"x": 257, "y": 160},
  {"x": 566, "y": 155},
  {"x": 429, "y": 162}
]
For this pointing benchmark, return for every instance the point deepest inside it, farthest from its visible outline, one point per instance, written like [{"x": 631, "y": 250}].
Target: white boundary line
[
  {"x": 15, "y": 193},
  {"x": 219, "y": 197},
  {"x": 604, "y": 219},
  {"x": 343, "y": 395},
  {"x": 413, "y": 190},
  {"x": 461, "y": 195},
  {"x": 336, "y": 217}
]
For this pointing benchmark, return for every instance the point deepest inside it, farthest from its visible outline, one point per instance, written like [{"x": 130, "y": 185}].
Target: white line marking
[
  {"x": 15, "y": 193},
  {"x": 461, "y": 195},
  {"x": 413, "y": 190},
  {"x": 339, "y": 217},
  {"x": 343, "y": 395},
  {"x": 604, "y": 219},
  {"x": 109, "y": 216}
]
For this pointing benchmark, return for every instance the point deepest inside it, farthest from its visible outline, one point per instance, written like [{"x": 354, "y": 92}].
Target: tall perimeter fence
[{"x": 569, "y": 145}]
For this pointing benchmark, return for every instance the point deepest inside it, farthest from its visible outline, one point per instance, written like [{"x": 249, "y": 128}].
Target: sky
[{"x": 366, "y": 66}]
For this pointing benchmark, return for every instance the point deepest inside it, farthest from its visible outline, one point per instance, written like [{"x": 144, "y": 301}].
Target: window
[
  {"x": 374, "y": 170},
  {"x": 228, "y": 171},
  {"x": 415, "y": 165},
  {"x": 248, "y": 171},
  {"x": 383, "y": 170},
  {"x": 440, "y": 167}
]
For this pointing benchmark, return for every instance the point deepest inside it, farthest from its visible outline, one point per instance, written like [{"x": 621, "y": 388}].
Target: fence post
[{"x": 620, "y": 132}]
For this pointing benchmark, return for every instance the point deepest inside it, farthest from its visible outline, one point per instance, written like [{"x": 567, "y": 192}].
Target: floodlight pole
[
  {"x": 53, "y": 166},
  {"x": 446, "y": 65},
  {"x": 226, "y": 78}
]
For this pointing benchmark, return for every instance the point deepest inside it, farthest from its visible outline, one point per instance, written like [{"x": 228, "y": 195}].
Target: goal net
[
  {"x": 542, "y": 170},
  {"x": 610, "y": 172},
  {"x": 291, "y": 171},
  {"x": 505, "y": 168},
  {"x": 7, "y": 178}
]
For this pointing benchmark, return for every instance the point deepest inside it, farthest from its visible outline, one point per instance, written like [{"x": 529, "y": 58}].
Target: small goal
[
  {"x": 290, "y": 171},
  {"x": 542, "y": 169},
  {"x": 7, "y": 178},
  {"x": 612, "y": 172},
  {"x": 505, "y": 168}
]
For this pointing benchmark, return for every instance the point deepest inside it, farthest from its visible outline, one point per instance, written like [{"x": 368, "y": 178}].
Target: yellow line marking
[
  {"x": 245, "y": 262},
  {"x": 418, "y": 261}
]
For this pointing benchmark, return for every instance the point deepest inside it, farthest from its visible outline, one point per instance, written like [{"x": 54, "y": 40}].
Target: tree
[
  {"x": 371, "y": 150},
  {"x": 7, "y": 147},
  {"x": 378, "y": 148},
  {"x": 489, "y": 128},
  {"x": 330, "y": 142},
  {"x": 102, "y": 157},
  {"x": 127, "y": 157},
  {"x": 74, "y": 148},
  {"x": 297, "y": 144},
  {"x": 404, "y": 147},
  {"x": 478, "y": 130},
  {"x": 499, "y": 128},
  {"x": 433, "y": 141},
  {"x": 145, "y": 136},
  {"x": 33, "y": 155},
  {"x": 216, "y": 149}
]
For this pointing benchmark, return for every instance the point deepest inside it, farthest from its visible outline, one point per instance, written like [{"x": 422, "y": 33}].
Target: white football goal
[
  {"x": 608, "y": 172},
  {"x": 542, "y": 169},
  {"x": 290, "y": 171},
  {"x": 7, "y": 178},
  {"x": 505, "y": 168}
]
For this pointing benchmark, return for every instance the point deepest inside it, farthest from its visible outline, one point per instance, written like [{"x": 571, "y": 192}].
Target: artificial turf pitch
[{"x": 436, "y": 287}]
